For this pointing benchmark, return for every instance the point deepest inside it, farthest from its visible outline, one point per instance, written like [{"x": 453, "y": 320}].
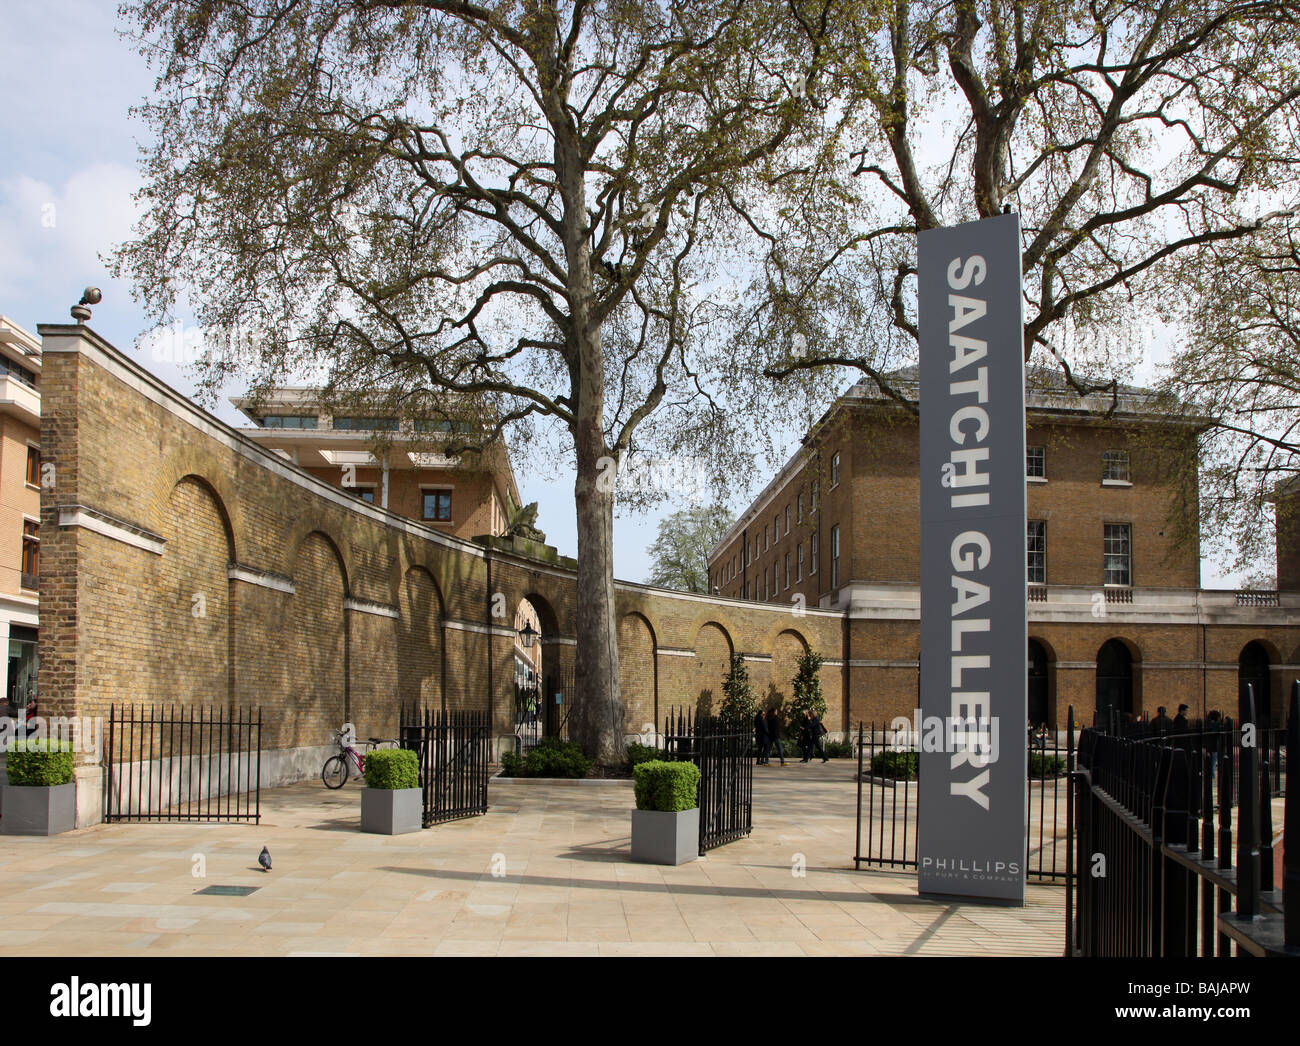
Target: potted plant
[
  {"x": 40, "y": 798},
  {"x": 390, "y": 802},
  {"x": 666, "y": 821}
]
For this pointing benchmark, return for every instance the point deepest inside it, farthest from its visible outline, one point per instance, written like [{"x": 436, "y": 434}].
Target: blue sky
[{"x": 68, "y": 82}]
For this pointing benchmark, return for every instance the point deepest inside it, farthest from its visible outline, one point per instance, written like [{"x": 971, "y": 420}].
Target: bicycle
[{"x": 338, "y": 767}]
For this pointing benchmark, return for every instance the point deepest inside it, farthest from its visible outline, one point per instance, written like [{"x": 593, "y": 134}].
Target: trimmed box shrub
[
  {"x": 392, "y": 768},
  {"x": 40, "y": 763},
  {"x": 666, "y": 786},
  {"x": 512, "y": 764}
]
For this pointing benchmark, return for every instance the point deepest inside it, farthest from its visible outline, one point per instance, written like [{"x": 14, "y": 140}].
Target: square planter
[
  {"x": 38, "y": 809},
  {"x": 665, "y": 837},
  {"x": 391, "y": 811}
]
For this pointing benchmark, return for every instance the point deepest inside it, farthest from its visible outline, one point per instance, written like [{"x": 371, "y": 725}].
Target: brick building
[
  {"x": 20, "y": 506},
  {"x": 1117, "y": 617}
]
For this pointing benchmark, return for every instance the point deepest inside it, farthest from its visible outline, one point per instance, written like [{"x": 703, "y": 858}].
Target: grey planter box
[
  {"x": 38, "y": 809},
  {"x": 665, "y": 837},
  {"x": 391, "y": 811}
]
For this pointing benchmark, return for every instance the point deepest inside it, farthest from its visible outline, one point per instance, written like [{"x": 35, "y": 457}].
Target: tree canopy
[{"x": 680, "y": 552}]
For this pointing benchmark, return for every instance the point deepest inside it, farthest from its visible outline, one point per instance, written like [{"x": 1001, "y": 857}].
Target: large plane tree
[
  {"x": 1129, "y": 135},
  {"x": 519, "y": 210}
]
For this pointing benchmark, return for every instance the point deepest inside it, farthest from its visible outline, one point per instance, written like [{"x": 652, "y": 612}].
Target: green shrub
[
  {"x": 899, "y": 765},
  {"x": 839, "y": 750},
  {"x": 392, "y": 768},
  {"x": 639, "y": 753},
  {"x": 512, "y": 764},
  {"x": 39, "y": 763},
  {"x": 552, "y": 757},
  {"x": 738, "y": 696},
  {"x": 1041, "y": 765},
  {"x": 666, "y": 786}
]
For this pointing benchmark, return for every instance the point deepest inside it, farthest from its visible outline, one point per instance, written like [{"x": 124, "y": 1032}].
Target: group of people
[{"x": 767, "y": 729}]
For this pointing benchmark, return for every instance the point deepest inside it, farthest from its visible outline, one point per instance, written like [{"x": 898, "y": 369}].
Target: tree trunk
[
  {"x": 597, "y": 715},
  {"x": 599, "y": 708}
]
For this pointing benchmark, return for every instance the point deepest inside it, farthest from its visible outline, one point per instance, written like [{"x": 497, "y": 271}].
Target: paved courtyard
[{"x": 563, "y": 884}]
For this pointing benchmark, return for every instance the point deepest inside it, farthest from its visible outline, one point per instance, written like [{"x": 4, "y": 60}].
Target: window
[
  {"x": 366, "y": 494},
  {"x": 835, "y": 470},
  {"x": 816, "y": 491},
  {"x": 1119, "y": 557},
  {"x": 33, "y": 466},
  {"x": 767, "y": 534},
  {"x": 835, "y": 556},
  {"x": 812, "y": 564},
  {"x": 426, "y": 425},
  {"x": 437, "y": 505},
  {"x": 799, "y": 515},
  {"x": 776, "y": 528},
  {"x": 366, "y": 424},
  {"x": 31, "y": 554},
  {"x": 1114, "y": 466},
  {"x": 787, "y": 519},
  {"x": 767, "y": 591},
  {"x": 288, "y": 421},
  {"x": 798, "y": 565},
  {"x": 1037, "y": 547},
  {"x": 17, "y": 371},
  {"x": 1036, "y": 462},
  {"x": 787, "y": 571}
]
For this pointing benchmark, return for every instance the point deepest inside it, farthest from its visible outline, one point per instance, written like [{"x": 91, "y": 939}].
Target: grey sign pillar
[{"x": 972, "y": 804}]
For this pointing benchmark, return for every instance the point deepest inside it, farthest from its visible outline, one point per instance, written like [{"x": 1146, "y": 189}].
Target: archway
[
  {"x": 543, "y": 672},
  {"x": 1254, "y": 670},
  {"x": 1040, "y": 684},
  {"x": 1114, "y": 681}
]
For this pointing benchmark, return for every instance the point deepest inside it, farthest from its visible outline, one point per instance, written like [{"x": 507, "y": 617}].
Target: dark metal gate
[
  {"x": 182, "y": 763},
  {"x": 453, "y": 749},
  {"x": 724, "y": 752},
  {"x": 888, "y": 764}
]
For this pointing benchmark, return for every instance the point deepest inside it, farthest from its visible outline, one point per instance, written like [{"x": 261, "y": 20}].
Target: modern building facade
[
  {"x": 20, "y": 506},
  {"x": 388, "y": 462},
  {"x": 1117, "y": 618}
]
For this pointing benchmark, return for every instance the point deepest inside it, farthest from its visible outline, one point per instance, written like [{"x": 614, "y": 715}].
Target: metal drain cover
[{"x": 229, "y": 891}]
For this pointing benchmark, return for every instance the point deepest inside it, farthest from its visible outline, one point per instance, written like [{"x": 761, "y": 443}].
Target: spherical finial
[{"x": 90, "y": 296}]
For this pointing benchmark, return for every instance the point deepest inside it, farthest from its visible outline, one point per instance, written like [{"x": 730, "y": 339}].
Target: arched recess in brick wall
[
  {"x": 192, "y": 626},
  {"x": 1255, "y": 669},
  {"x": 1119, "y": 679},
  {"x": 420, "y": 641},
  {"x": 314, "y": 666},
  {"x": 552, "y": 660},
  {"x": 1041, "y": 689},
  {"x": 638, "y": 673},
  {"x": 787, "y": 648},
  {"x": 713, "y": 649}
]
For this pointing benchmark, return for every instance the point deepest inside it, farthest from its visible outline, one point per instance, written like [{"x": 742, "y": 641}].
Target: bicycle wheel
[{"x": 335, "y": 772}]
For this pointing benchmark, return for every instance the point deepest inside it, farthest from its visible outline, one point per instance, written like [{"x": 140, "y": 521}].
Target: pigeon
[{"x": 264, "y": 859}]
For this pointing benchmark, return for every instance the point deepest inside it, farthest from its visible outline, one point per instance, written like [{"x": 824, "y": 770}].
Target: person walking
[
  {"x": 774, "y": 733},
  {"x": 805, "y": 736},
  {"x": 818, "y": 730},
  {"x": 761, "y": 742}
]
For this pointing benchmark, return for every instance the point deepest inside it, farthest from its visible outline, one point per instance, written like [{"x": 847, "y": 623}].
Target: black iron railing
[
  {"x": 888, "y": 765},
  {"x": 182, "y": 763},
  {"x": 1171, "y": 829},
  {"x": 724, "y": 751},
  {"x": 454, "y": 750}
]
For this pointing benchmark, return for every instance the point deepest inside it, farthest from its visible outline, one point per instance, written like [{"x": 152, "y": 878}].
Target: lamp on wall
[{"x": 527, "y": 634}]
